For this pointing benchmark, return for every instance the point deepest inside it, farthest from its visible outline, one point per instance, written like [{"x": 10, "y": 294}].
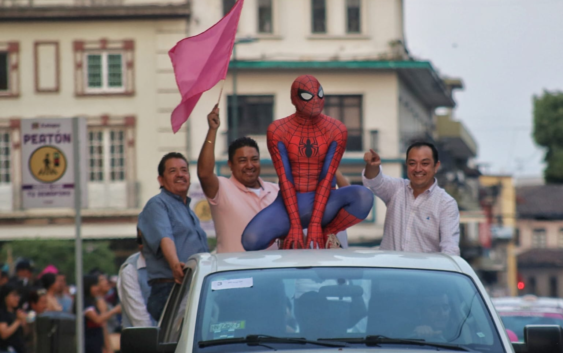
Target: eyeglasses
[{"x": 41, "y": 292}]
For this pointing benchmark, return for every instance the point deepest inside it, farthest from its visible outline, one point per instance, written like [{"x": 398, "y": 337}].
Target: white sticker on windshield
[{"x": 232, "y": 283}]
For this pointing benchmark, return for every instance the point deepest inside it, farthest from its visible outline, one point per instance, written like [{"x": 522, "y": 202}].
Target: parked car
[
  {"x": 330, "y": 300},
  {"x": 517, "y": 312}
]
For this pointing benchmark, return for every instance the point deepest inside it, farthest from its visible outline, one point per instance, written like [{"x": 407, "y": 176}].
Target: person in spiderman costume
[{"x": 306, "y": 148}]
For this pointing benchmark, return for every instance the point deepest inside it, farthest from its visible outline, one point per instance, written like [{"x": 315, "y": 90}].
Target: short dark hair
[
  {"x": 139, "y": 237},
  {"x": 24, "y": 264},
  {"x": 5, "y": 290},
  {"x": 241, "y": 142},
  {"x": 422, "y": 144},
  {"x": 48, "y": 279},
  {"x": 35, "y": 295},
  {"x": 166, "y": 157}
]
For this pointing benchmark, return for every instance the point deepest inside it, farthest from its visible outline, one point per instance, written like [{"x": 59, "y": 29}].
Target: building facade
[
  {"x": 102, "y": 60},
  {"x": 539, "y": 239},
  {"x": 107, "y": 60},
  {"x": 498, "y": 264}
]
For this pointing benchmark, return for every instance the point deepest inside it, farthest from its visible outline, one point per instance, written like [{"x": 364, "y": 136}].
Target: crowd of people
[{"x": 26, "y": 295}]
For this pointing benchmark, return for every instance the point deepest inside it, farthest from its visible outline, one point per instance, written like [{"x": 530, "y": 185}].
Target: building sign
[
  {"x": 48, "y": 162},
  {"x": 502, "y": 232},
  {"x": 201, "y": 208}
]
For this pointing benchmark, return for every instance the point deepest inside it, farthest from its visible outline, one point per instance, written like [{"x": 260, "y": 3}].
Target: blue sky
[{"x": 505, "y": 51}]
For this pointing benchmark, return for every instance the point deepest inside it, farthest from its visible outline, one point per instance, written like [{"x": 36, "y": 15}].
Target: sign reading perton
[{"x": 48, "y": 162}]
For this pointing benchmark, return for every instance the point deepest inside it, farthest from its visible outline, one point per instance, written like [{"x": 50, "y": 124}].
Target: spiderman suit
[{"x": 306, "y": 148}]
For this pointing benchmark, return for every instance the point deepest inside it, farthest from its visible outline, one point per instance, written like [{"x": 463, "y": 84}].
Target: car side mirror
[
  {"x": 139, "y": 339},
  {"x": 541, "y": 339},
  {"x": 144, "y": 340}
]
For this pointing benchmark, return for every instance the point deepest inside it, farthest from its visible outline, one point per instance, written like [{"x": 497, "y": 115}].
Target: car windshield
[
  {"x": 516, "y": 321},
  {"x": 342, "y": 304}
]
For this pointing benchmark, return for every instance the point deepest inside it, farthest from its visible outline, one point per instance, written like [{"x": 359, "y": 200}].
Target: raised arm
[
  {"x": 383, "y": 186},
  {"x": 206, "y": 160},
  {"x": 322, "y": 193},
  {"x": 278, "y": 152},
  {"x": 373, "y": 161}
]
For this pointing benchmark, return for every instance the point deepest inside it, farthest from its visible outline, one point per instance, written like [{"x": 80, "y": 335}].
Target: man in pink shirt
[{"x": 236, "y": 200}]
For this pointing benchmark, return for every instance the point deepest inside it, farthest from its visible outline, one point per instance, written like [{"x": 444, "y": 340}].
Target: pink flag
[{"x": 201, "y": 61}]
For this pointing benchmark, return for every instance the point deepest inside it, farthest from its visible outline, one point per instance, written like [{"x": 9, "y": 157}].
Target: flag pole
[{"x": 221, "y": 92}]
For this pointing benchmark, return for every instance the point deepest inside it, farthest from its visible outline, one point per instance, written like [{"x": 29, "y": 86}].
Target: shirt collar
[
  {"x": 141, "y": 262},
  {"x": 177, "y": 197},
  {"x": 430, "y": 189},
  {"x": 242, "y": 187}
]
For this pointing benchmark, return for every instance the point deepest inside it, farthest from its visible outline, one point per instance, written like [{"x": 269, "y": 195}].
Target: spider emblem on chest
[{"x": 308, "y": 147}]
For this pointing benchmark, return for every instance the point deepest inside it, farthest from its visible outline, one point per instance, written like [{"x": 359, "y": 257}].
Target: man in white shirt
[
  {"x": 134, "y": 290},
  {"x": 421, "y": 216}
]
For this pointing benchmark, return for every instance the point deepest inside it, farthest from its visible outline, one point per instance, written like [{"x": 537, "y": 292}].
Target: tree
[
  {"x": 548, "y": 132},
  {"x": 60, "y": 253}
]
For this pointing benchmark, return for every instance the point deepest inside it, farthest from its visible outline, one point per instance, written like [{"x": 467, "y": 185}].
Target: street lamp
[{"x": 234, "y": 132}]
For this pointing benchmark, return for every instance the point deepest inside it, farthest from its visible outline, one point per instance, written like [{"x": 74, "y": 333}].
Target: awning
[{"x": 420, "y": 76}]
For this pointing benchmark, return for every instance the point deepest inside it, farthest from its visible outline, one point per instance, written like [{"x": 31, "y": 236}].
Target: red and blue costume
[{"x": 306, "y": 148}]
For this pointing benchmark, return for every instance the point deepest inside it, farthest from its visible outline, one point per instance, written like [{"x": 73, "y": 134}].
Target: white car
[{"x": 331, "y": 300}]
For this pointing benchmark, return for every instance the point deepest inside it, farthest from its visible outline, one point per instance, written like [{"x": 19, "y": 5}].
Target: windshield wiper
[
  {"x": 259, "y": 339},
  {"x": 377, "y": 339}
]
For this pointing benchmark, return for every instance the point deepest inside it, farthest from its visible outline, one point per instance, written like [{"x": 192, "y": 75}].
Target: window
[
  {"x": 107, "y": 154},
  {"x": 104, "y": 72},
  {"x": 553, "y": 292},
  {"x": 319, "y": 16},
  {"x": 539, "y": 238},
  {"x": 228, "y": 5},
  {"x": 5, "y": 157},
  {"x": 104, "y": 67},
  {"x": 347, "y": 303},
  {"x": 255, "y": 113},
  {"x": 347, "y": 109},
  {"x": 353, "y": 24},
  {"x": 532, "y": 285},
  {"x": 4, "y": 71},
  {"x": 9, "y": 66},
  {"x": 111, "y": 180},
  {"x": 265, "y": 16},
  {"x": 47, "y": 66}
]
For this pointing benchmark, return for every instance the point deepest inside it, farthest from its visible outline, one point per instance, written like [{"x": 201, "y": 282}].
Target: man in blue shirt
[{"x": 171, "y": 231}]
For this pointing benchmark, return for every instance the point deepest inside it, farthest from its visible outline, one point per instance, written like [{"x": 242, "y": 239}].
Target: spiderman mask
[{"x": 307, "y": 96}]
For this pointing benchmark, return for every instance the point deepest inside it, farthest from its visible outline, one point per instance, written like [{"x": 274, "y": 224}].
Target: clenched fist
[
  {"x": 213, "y": 118},
  {"x": 373, "y": 161}
]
